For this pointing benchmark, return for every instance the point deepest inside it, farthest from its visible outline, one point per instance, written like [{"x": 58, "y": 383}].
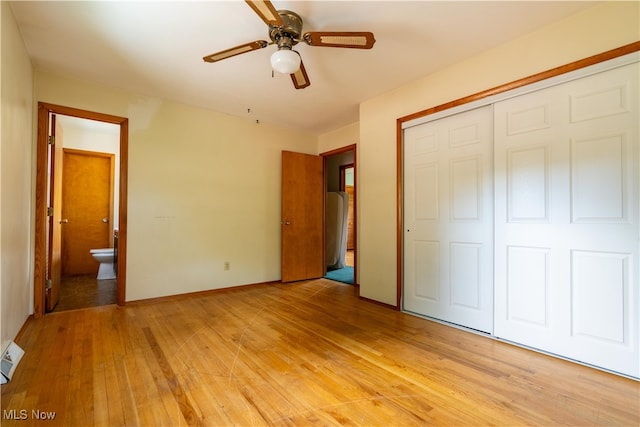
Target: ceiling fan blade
[
  {"x": 354, "y": 40},
  {"x": 243, "y": 48},
  {"x": 300, "y": 78},
  {"x": 266, "y": 11}
]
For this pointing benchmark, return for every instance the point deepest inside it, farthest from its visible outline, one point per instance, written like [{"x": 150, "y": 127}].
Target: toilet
[{"x": 106, "y": 258}]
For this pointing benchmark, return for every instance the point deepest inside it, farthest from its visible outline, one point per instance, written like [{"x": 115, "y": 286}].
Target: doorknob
[
  {"x": 105, "y": 220},
  {"x": 64, "y": 221},
  {"x": 286, "y": 222}
]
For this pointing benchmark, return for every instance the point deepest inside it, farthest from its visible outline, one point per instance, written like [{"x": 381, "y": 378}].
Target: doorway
[
  {"x": 90, "y": 154},
  {"x": 49, "y": 217},
  {"x": 340, "y": 178}
]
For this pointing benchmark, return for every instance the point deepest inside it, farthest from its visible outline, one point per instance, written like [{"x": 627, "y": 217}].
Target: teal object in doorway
[{"x": 344, "y": 275}]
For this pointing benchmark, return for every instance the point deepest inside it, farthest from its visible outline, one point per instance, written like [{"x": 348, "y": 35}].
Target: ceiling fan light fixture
[
  {"x": 285, "y": 61},
  {"x": 285, "y": 31}
]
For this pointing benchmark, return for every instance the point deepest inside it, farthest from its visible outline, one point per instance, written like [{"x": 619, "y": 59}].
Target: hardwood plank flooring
[
  {"x": 308, "y": 353},
  {"x": 85, "y": 291}
]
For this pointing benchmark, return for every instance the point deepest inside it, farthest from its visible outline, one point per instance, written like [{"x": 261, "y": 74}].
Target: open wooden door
[
  {"x": 302, "y": 217},
  {"x": 54, "y": 272}
]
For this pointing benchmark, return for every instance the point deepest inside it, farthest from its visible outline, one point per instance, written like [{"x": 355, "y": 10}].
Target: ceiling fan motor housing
[{"x": 291, "y": 29}]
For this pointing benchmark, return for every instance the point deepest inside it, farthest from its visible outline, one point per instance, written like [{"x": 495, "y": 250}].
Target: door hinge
[
  {"x": 50, "y": 211},
  {"x": 48, "y": 283},
  {"x": 52, "y": 140}
]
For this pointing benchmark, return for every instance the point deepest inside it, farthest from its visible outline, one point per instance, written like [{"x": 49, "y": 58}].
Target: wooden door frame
[
  {"x": 41, "y": 202},
  {"x": 544, "y": 75},
  {"x": 325, "y": 157},
  {"x": 343, "y": 169}
]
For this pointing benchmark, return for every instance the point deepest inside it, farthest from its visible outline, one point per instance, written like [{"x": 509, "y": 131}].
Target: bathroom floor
[{"x": 85, "y": 291}]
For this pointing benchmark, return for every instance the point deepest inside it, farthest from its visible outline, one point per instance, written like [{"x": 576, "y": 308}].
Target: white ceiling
[{"x": 156, "y": 49}]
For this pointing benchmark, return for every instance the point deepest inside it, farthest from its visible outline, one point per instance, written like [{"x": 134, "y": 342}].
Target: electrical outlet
[{"x": 227, "y": 265}]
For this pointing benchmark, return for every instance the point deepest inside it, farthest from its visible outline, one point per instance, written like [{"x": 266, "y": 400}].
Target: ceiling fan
[{"x": 285, "y": 31}]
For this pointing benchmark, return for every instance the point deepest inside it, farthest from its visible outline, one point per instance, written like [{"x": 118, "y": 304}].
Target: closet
[
  {"x": 448, "y": 219},
  {"x": 521, "y": 216}
]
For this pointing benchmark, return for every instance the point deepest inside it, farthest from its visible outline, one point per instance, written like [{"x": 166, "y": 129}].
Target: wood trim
[
  {"x": 82, "y": 114},
  {"x": 381, "y": 304},
  {"x": 400, "y": 216},
  {"x": 122, "y": 212},
  {"x": 40, "y": 252},
  {"x": 544, "y": 75},
  {"x": 557, "y": 71},
  {"x": 112, "y": 173},
  {"x": 325, "y": 155},
  {"x": 340, "y": 151},
  {"x": 23, "y": 329},
  {"x": 40, "y": 256}
]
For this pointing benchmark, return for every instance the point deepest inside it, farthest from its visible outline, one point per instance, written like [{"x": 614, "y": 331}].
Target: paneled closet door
[
  {"x": 448, "y": 219},
  {"x": 567, "y": 207}
]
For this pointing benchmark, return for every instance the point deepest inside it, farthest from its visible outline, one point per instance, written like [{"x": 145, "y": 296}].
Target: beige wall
[
  {"x": 603, "y": 27},
  {"x": 204, "y": 189},
  {"x": 342, "y": 137},
  {"x": 16, "y": 160}
]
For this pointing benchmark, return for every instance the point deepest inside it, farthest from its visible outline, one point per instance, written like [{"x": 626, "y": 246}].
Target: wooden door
[
  {"x": 86, "y": 209},
  {"x": 54, "y": 271},
  {"x": 567, "y": 220},
  {"x": 302, "y": 217},
  {"x": 448, "y": 219}
]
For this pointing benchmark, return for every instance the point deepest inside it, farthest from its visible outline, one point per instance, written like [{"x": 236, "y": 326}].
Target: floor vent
[{"x": 10, "y": 358}]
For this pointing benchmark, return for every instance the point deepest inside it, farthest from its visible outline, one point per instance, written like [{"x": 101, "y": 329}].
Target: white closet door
[
  {"x": 448, "y": 219},
  {"x": 567, "y": 182}
]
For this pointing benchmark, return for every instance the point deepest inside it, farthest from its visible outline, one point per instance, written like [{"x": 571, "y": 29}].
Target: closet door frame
[
  {"x": 625, "y": 55},
  {"x": 587, "y": 66}
]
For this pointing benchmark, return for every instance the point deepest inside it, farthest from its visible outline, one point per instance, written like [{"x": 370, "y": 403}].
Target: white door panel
[
  {"x": 448, "y": 219},
  {"x": 567, "y": 228}
]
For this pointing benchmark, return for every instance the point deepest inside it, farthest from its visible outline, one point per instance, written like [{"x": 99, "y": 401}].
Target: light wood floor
[{"x": 308, "y": 353}]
